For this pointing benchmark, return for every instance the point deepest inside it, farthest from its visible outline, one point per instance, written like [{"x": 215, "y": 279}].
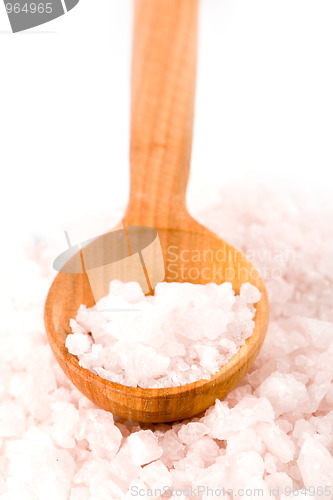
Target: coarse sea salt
[
  {"x": 272, "y": 436},
  {"x": 181, "y": 334}
]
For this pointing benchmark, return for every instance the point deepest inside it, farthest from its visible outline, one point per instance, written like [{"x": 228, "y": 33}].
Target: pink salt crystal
[
  {"x": 302, "y": 430},
  {"x": 156, "y": 476},
  {"x": 89, "y": 321},
  {"x": 278, "y": 482},
  {"x": 144, "y": 362},
  {"x": 192, "y": 431},
  {"x": 191, "y": 463},
  {"x": 316, "y": 464},
  {"x": 270, "y": 462},
  {"x": 98, "y": 428},
  {"x": 235, "y": 396},
  {"x": 209, "y": 357},
  {"x": 276, "y": 441},
  {"x": 173, "y": 349},
  {"x": 123, "y": 468},
  {"x": 284, "y": 392},
  {"x": 245, "y": 440},
  {"x": 215, "y": 413},
  {"x": 105, "y": 487},
  {"x": 97, "y": 474},
  {"x": 214, "y": 476},
  {"x": 287, "y": 337},
  {"x": 90, "y": 469},
  {"x": 12, "y": 419},
  {"x": 184, "y": 476},
  {"x": 247, "y": 413},
  {"x": 324, "y": 427},
  {"x": 256, "y": 376},
  {"x": 36, "y": 464},
  {"x": 250, "y": 463},
  {"x": 284, "y": 425},
  {"x": 64, "y": 417},
  {"x": 183, "y": 333},
  {"x": 249, "y": 293},
  {"x": 143, "y": 447},
  {"x": 76, "y": 328},
  {"x": 295, "y": 473},
  {"x": 138, "y": 488},
  {"x": 317, "y": 392},
  {"x": 206, "y": 448},
  {"x": 320, "y": 332},
  {"x": 254, "y": 487},
  {"x": 78, "y": 343},
  {"x": 172, "y": 447}
]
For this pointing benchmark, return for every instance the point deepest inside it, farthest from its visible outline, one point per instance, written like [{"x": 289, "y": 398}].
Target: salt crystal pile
[
  {"x": 272, "y": 436},
  {"x": 183, "y": 333}
]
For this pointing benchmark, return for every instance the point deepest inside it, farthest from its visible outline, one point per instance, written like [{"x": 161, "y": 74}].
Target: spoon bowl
[
  {"x": 69, "y": 291},
  {"x": 163, "y": 85}
]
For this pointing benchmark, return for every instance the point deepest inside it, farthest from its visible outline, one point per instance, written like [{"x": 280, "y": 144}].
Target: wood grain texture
[
  {"x": 163, "y": 85},
  {"x": 163, "y": 88}
]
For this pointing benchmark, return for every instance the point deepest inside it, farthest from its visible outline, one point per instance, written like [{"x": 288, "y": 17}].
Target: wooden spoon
[{"x": 163, "y": 87}]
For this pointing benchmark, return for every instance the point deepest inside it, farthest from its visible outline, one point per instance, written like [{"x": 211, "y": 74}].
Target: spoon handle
[{"x": 163, "y": 90}]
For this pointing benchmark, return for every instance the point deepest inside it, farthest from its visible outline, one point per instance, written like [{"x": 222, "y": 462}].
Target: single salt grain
[
  {"x": 139, "y": 486},
  {"x": 89, "y": 469},
  {"x": 302, "y": 430},
  {"x": 12, "y": 419},
  {"x": 245, "y": 440},
  {"x": 65, "y": 418},
  {"x": 156, "y": 476},
  {"x": 206, "y": 448},
  {"x": 76, "y": 328},
  {"x": 270, "y": 462},
  {"x": 78, "y": 343},
  {"x": 316, "y": 464},
  {"x": 278, "y": 482},
  {"x": 172, "y": 447},
  {"x": 123, "y": 467},
  {"x": 247, "y": 413},
  {"x": 284, "y": 392},
  {"x": 143, "y": 360},
  {"x": 143, "y": 447},
  {"x": 98, "y": 428},
  {"x": 319, "y": 332},
  {"x": 249, "y": 293},
  {"x": 276, "y": 441},
  {"x": 250, "y": 463},
  {"x": 192, "y": 432}
]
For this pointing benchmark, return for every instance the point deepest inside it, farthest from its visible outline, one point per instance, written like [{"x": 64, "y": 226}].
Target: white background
[{"x": 264, "y": 106}]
